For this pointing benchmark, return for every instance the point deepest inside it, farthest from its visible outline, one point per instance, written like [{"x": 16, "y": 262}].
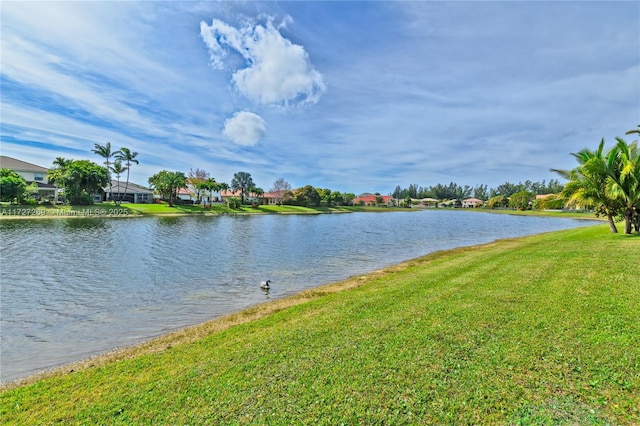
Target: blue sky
[{"x": 350, "y": 96}]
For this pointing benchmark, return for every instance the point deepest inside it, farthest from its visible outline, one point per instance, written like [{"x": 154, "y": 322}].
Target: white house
[{"x": 31, "y": 173}]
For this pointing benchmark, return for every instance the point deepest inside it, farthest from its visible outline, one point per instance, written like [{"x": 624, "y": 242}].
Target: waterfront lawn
[
  {"x": 129, "y": 209},
  {"x": 539, "y": 330}
]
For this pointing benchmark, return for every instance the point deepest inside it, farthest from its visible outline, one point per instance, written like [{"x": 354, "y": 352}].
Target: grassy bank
[
  {"x": 8, "y": 211},
  {"x": 538, "y": 330}
]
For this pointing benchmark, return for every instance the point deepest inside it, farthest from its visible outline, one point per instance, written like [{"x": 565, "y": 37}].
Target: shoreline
[
  {"x": 194, "y": 332},
  {"x": 450, "y": 332},
  {"x": 214, "y": 324}
]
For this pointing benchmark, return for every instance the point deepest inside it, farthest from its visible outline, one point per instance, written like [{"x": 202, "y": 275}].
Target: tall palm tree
[
  {"x": 588, "y": 182},
  {"x": 58, "y": 174},
  {"x": 210, "y": 185},
  {"x": 128, "y": 157},
  {"x": 105, "y": 152},
  {"x": 222, "y": 186},
  {"x": 241, "y": 181},
  {"x": 118, "y": 169}
]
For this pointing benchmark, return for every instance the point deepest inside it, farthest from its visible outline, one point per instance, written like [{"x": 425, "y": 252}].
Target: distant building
[
  {"x": 370, "y": 200},
  {"x": 472, "y": 203}
]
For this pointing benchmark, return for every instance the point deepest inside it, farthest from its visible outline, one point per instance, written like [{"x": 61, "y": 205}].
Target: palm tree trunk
[
  {"x": 628, "y": 221},
  {"x": 127, "y": 184},
  {"x": 612, "y": 224}
]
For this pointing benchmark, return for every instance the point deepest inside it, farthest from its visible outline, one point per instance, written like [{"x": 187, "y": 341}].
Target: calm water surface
[{"x": 72, "y": 288}]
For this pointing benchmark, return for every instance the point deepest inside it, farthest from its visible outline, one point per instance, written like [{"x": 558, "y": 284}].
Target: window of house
[{"x": 38, "y": 177}]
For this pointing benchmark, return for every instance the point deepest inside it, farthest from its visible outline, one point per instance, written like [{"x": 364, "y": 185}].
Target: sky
[{"x": 351, "y": 96}]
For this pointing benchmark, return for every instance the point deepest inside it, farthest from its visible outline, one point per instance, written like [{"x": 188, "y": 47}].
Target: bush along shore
[{"x": 538, "y": 330}]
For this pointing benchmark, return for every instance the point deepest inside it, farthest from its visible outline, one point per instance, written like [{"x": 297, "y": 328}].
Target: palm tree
[
  {"x": 588, "y": 183},
  {"x": 624, "y": 184},
  {"x": 105, "y": 152},
  {"x": 259, "y": 193},
  {"x": 168, "y": 183},
  {"x": 222, "y": 186},
  {"x": 128, "y": 157},
  {"x": 210, "y": 185},
  {"x": 58, "y": 174},
  {"x": 118, "y": 169},
  {"x": 241, "y": 181}
]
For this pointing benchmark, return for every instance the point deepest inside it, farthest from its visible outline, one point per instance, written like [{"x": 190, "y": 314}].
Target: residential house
[
  {"x": 371, "y": 200},
  {"x": 472, "y": 203},
  {"x": 129, "y": 193},
  {"x": 31, "y": 173},
  {"x": 185, "y": 194},
  {"x": 424, "y": 202},
  {"x": 268, "y": 198}
]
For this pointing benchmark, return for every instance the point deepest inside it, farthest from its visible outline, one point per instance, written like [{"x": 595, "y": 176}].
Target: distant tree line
[
  {"x": 308, "y": 196},
  {"x": 453, "y": 191}
]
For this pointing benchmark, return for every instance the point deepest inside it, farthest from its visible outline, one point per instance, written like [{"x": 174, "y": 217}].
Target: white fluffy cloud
[
  {"x": 278, "y": 72},
  {"x": 245, "y": 128}
]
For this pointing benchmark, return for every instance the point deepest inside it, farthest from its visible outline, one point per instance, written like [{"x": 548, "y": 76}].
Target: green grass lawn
[{"x": 538, "y": 330}]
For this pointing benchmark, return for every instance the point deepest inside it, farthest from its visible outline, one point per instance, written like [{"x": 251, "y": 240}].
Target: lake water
[{"x": 73, "y": 288}]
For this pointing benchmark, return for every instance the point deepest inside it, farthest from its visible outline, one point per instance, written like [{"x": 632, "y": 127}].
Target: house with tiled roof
[
  {"x": 372, "y": 200},
  {"x": 472, "y": 203},
  {"x": 268, "y": 198},
  {"x": 31, "y": 173}
]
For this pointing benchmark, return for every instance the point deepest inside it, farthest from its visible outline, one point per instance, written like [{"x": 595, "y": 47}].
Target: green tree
[
  {"x": 118, "y": 169},
  {"x": 242, "y": 181},
  {"x": 81, "y": 179},
  {"x": 258, "y": 193},
  {"x": 105, "y": 152},
  {"x": 623, "y": 182},
  {"x": 12, "y": 186},
  {"x": 56, "y": 175},
  {"x": 550, "y": 202},
  {"x": 521, "y": 200},
  {"x": 209, "y": 184},
  {"x": 588, "y": 182},
  {"x": 168, "y": 184},
  {"x": 222, "y": 186},
  {"x": 497, "y": 201},
  {"x": 128, "y": 157}
]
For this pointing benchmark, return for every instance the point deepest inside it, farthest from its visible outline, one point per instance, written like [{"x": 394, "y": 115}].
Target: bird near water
[{"x": 265, "y": 284}]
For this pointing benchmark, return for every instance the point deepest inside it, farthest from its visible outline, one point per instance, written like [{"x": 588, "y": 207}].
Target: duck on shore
[{"x": 265, "y": 285}]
